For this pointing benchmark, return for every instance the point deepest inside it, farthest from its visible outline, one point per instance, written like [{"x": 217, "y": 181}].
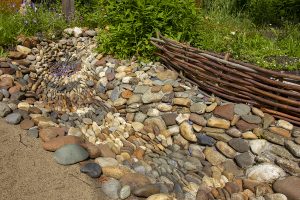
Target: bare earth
[{"x": 27, "y": 172}]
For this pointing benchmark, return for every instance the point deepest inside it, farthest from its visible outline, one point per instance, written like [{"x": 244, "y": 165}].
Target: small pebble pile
[{"x": 140, "y": 130}]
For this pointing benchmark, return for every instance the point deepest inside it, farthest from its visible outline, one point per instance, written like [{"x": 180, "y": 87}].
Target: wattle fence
[{"x": 277, "y": 93}]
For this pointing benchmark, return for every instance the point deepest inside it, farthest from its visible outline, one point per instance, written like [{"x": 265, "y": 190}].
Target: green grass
[
  {"x": 266, "y": 46},
  {"x": 214, "y": 28}
]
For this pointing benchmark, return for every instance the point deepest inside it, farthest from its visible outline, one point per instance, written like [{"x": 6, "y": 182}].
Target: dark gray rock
[
  {"x": 239, "y": 145},
  {"x": 244, "y": 160},
  {"x": 33, "y": 132},
  {"x": 205, "y": 140},
  {"x": 92, "y": 169}
]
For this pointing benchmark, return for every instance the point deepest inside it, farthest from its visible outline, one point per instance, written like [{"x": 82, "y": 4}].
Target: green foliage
[
  {"x": 274, "y": 48},
  {"x": 131, "y": 23}
]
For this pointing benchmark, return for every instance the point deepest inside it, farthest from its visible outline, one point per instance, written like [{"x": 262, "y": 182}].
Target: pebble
[
  {"x": 13, "y": 118},
  {"x": 244, "y": 160},
  {"x": 186, "y": 131},
  {"x": 265, "y": 172},
  {"x": 26, "y": 124},
  {"x": 111, "y": 188},
  {"x": 241, "y": 109},
  {"x": 91, "y": 169},
  {"x": 33, "y": 132},
  {"x": 239, "y": 145},
  {"x": 147, "y": 190},
  {"x": 160, "y": 196},
  {"x": 213, "y": 156},
  {"x": 106, "y": 162},
  {"x": 58, "y": 142},
  {"x": 252, "y": 119},
  {"x": 226, "y": 149},
  {"x": 205, "y": 140},
  {"x": 70, "y": 154},
  {"x": 218, "y": 123},
  {"x": 125, "y": 192},
  {"x": 292, "y": 193},
  {"x": 198, "y": 108}
]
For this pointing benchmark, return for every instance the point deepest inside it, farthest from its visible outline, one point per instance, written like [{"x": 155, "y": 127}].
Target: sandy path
[{"x": 27, "y": 172}]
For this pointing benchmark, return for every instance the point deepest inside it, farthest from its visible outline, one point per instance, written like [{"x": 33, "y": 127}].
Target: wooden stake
[{"x": 68, "y": 8}]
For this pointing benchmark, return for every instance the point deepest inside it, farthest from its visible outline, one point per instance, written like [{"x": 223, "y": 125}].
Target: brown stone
[
  {"x": 289, "y": 187},
  {"x": 155, "y": 88},
  {"x": 263, "y": 189},
  {"x": 250, "y": 184},
  {"x": 56, "y": 143},
  {"x": 126, "y": 94},
  {"x": 46, "y": 134},
  {"x": 167, "y": 88},
  {"x": 106, "y": 151},
  {"x": 34, "y": 110},
  {"x": 7, "y": 70},
  {"x": 232, "y": 187},
  {"x": 134, "y": 180},
  {"x": 6, "y": 82},
  {"x": 92, "y": 149},
  {"x": 244, "y": 126},
  {"x": 139, "y": 153},
  {"x": 14, "y": 89},
  {"x": 225, "y": 111},
  {"x": 16, "y": 55},
  {"x": 26, "y": 124},
  {"x": 116, "y": 172},
  {"x": 280, "y": 131}
]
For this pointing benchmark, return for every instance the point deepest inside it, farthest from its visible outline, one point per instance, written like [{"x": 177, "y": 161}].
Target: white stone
[
  {"x": 182, "y": 117},
  {"x": 77, "y": 32},
  {"x": 23, "y": 50},
  {"x": 106, "y": 161},
  {"x": 284, "y": 124},
  {"x": 164, "y": 107},
  {"x": 137, "y": 126},
  {"x": 265, "y": 172},
  {"x": 258, "y": 146}
]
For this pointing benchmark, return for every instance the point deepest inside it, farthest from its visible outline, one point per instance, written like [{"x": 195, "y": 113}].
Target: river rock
[
  {"x": 226, "y": 149},
  {"x": 134, "y": 180},
  {"x": 241, "y": 109},
  {"x": 205, "y": 140},
  {"x": 198, "y": 119},
  {"x": 70, "y": 154},
  {"x": 58, "y": 142},
  {"x": 293, "y": 148},
  {"x": 91, "y": 169},
  {"x": 244, "y": 160},
  {"x": 146, "y": 190},
  {"x": 26, "y": 124},
  {"x": 186, "y": 131},
  {"x": 198, "y": 108},
  {"x": 218, "y": 123},
  {"x": 225, "y": 111},
  {"x": 213, "y": 156},
  {"x": 282, "y": 186},
  {"x": 252, "y": 119},
  {"x": 13, "y": 118},
  {"x": 4, "y": 109},
  {"x": 106, "y": 161},
  {"x": 160, "y": 196},
  {"x": 111, "y": 188},
  {"x": 239, "y": 144},
  {"x": 265, "y": 172},
  {"x": 284, "y": 124}
]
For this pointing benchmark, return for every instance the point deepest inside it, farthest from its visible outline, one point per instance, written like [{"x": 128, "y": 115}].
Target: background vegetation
[{"x": 264, "y": 32}]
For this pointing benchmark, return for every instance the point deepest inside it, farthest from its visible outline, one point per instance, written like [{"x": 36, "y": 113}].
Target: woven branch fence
[{"x": 276, "y": 93}]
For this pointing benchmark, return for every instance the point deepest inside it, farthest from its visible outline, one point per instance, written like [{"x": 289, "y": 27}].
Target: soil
[{"x": 27, "y": 172}]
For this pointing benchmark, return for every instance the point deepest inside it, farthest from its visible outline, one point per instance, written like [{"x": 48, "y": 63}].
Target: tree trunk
[{"x": 68, "y": 8}]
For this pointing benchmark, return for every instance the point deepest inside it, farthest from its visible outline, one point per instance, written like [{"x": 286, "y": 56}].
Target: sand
[{"x": 27, "y": 172}]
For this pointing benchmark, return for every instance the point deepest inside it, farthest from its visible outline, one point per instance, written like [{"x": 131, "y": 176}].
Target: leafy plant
[{"x": 131, "y": 23}]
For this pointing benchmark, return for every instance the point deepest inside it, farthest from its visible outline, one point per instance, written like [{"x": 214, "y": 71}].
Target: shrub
[{"x": 131, "y": 23}]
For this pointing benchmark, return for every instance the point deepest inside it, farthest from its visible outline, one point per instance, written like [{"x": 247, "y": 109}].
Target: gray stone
[
  {"x": 288, "y": 165},
  {"x": 70, "y": 154},
  {"x": 13, "y": 118},
  {"x": 140, "y": 117},
  {"x": 274, "y": 138},
  {"x": 115, "y": 94},
  {"x": 293, "y": 148},
  {"x": 244, "y": 160},
  {"x": 91, "y": 169},
  {"x": 4, "y": 109},
  {"x": 33, "y": 132},
  {"x": 258, "y": 146},
  {"x": 239, "y": 144},
  {"x": 141, "y": 89},
  {"x": 125, "y": 192},
  {"x": 205, "y": 140},
  {"x": 252, "y": 119},
  {"x": 218, "y": 136},
  {"x": 149, "y": 97},
  {"x": 111, "y": 188},
  {"x": 198, "y": 108},
  {"x": 241, "y": 109},
  {"x": 198, "y": 119}
]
